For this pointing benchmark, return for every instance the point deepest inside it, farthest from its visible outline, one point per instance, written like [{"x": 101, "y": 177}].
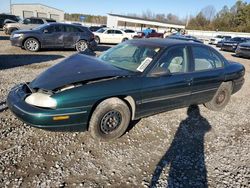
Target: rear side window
[
  {"x": 70, "y": 28},
  {"x": 204, "y": 59},
  {"x": 118, "y": 32}
]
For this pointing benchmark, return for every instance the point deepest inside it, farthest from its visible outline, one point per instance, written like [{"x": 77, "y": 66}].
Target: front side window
[
  {"x": 110, "y": 32},
  {"x": 175, "y": 60},
  {"x": 203, "y": 59},
  {"x": 131, "y": 57}
]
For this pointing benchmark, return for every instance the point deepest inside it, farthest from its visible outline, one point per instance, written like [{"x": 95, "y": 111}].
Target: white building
[
  {"x": 114, "y": 19},
  {"x": 37, "y": 10}
]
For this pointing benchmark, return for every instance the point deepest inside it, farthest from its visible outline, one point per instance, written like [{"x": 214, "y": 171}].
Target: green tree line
[
  {"x": 88, "y": 18},
  {"x": 236, "y": 18}
]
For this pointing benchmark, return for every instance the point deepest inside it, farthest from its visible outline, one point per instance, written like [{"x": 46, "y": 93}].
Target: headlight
[
  {"x": 17, "y": 35},
  {"x": 41, "y": 100}
]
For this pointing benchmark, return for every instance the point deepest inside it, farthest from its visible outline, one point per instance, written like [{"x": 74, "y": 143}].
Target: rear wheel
[
  {"x": 81, "y": 46},
  {"x": 221, "y": 97},
  {"x": 32, "y": 44},
  {"x": 109, "y": 120}
]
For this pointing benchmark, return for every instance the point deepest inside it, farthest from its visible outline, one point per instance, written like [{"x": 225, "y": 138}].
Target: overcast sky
[{"x": 180, "y": 8}]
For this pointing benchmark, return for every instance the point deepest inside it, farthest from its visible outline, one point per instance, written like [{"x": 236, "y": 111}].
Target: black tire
[
  {"x": 97, "y": 39},
  {"x": 221, "y": 97},
  {"x": 125, "y": 39},
  {"x": 109, "y": 120},
  {"x": 32, "y": 44},
  {"x": 81, "y": 46}
]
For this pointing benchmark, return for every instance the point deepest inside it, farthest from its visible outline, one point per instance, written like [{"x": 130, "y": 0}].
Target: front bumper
[
  {"x": 243, "y": 52},
  {"x": 18, "y": 41},
  {"x": 41, "y": 117},
  {"x": 230, "y": 48}
]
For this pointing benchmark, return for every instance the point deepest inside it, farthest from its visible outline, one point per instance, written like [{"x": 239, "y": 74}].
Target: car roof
[{"x": 163, "y": 42}]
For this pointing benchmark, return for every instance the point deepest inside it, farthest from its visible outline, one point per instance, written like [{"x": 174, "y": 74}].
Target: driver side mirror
[{"x": 160, "y": 71}]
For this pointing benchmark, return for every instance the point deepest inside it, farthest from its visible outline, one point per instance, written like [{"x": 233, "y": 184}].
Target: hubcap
[
  {"x": 32, "y": 45},
  {"x": 221, "y": 97},
  {"x": 82, "y": 46},
  {"x": 110, "y": 121}
]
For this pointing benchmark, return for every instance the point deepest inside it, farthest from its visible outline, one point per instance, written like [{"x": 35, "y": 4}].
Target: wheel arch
[
  {"x": 33, "y": 38},
  {"x": 129, "y": 100}
]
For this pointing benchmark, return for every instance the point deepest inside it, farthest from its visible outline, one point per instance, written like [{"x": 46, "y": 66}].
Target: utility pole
[{"x": 10, "y": 7}]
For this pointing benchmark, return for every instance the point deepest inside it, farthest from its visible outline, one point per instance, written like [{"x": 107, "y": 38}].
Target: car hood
[
  {"x": 23, "y": 31},
  {"x": 77, "y": 68},
  {"x": 16, "y": 24}
]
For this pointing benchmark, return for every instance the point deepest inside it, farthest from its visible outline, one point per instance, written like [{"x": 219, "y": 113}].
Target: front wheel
[
  {"x": 81, "y": 46},
  {"x": 221, "y": 97},
  {"x": 109, "y": 120},
  {"x": 32, "y": 45}
]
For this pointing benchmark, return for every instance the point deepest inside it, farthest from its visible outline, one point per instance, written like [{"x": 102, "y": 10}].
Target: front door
[{"x": 170, "y": 91}]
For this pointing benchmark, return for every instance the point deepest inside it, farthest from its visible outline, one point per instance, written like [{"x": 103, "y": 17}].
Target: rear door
[
  {"x": 118, "y": 36},
  {"x": 71, "y": 36},
  {"x": 168, "y": 92},
  {"x": 53, "y": 36},
  {"x": 207, "y": 73}
]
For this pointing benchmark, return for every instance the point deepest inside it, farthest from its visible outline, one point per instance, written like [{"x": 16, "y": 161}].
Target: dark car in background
[
  {"x": 132, "y": 80},
  {"x": 27, "y": 23},
  {"x": 232, "y": 44},
  {"x": 243, "y": 50},
  {"x": 8, "y": 18},
  {"x": 225, "y": 38},
  {"x": 185, "y": 38},
  {"x": 54, "y": 35},
  {"x": 149, "y": 33}
]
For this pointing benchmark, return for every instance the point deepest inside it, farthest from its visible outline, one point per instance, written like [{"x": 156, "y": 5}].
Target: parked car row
[{"x": 239, "y": 45}]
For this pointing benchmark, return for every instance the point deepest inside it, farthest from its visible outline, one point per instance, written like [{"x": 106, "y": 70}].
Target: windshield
[
  {"x": 131, "y": 57},
  {"x": 40, "y": 27},
  {"x": 101, "y": 30}
]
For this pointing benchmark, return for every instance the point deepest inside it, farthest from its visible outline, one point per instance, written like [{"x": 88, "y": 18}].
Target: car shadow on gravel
[
  {"x": 185, "y": 157},
  {"x": 8, "y": 61},
  {"x": 4, "y": 38}
]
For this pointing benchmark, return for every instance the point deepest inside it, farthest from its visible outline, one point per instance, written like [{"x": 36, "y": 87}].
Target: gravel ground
[{"x": 188, "y": 147}]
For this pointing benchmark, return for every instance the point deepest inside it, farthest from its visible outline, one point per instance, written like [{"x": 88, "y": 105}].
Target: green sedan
[{"x": 130, "y": 81}]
